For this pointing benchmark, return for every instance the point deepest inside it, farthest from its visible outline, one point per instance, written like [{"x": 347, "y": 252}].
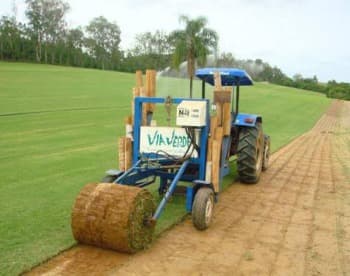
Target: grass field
[{"x": 58, "y": 131}]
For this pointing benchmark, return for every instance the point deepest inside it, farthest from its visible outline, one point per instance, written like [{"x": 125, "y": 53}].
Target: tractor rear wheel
[
  {"x": 202, "y": 209},
  {"x": 267, "y": 145},
  {"x": 250, "y": 153}
]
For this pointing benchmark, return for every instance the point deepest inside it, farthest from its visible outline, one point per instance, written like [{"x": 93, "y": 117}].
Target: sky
[{"x": 308, "y": 37}]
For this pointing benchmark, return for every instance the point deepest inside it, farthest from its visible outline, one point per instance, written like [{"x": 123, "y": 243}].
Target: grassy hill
[{"x": 59, "y": 129}]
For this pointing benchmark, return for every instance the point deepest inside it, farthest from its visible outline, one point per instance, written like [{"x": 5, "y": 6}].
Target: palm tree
[{"x": 193, "y": 44}]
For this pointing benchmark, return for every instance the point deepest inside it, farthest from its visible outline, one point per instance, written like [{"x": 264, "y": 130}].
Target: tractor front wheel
[
  {"x": 250, "y": 153},
  {"x": 202, "y": 209}
]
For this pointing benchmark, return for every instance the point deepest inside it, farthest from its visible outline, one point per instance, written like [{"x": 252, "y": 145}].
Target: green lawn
[{"x": 58, "y": 131}]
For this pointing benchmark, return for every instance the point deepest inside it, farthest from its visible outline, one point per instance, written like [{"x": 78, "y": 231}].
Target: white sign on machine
[
  {"x": 172, "y": 140},
  {"x": 191, "y": 113}
]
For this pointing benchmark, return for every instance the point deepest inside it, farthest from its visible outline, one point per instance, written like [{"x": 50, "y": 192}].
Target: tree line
[{"x": 46, "y": 38}]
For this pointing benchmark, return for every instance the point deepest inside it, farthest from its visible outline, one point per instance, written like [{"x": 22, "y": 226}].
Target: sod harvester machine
[{"x": 195, "y": 151}]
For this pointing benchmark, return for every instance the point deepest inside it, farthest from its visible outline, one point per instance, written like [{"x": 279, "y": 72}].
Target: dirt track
[{"x": 296, "y": 221}]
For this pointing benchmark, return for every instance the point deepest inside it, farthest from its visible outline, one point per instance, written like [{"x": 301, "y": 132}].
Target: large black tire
[
  {"x": 108, "y": 179},
  {"x": 250, "y": 153},
  {"x": 267, "y": 148},
  {"x": 202, "y": 209}
]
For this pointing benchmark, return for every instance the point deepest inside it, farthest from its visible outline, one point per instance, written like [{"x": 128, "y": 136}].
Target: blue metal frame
[
  {"x": 201, "y": 160},
  {"x": 146, "y": 167},
  {"x": 145, "y": 170}
]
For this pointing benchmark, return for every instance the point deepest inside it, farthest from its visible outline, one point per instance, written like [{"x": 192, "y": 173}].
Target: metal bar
[
  {"x": 170, "y": 191},
  {"x": 203, "y": 146},
  {"x": 136, "y": 130},
  {"x": 184, "y": 177},
  {"x": 203, "y": 89},
  {"x": 237, "y": 98},
  {"x": 125, "y": 174}
]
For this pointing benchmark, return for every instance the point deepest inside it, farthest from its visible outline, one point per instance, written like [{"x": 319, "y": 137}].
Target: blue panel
[
  {"x": 229, "y": 76},
  {"x": 240, "y": 119}
]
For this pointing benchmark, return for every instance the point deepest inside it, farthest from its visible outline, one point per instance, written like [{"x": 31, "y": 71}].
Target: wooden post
[
  {"x": 139, "y": 81},
  {"x": 150, "y": 87},
  {"x": 216, "y": 157},
  {"x": 219, "y": 113},
  {"x": 217, "y": 81},
  {"x": 121, "y": 151},
  {"x": 227, "y": 119},
  {"x": 213, "y": 125},
  {"x": 128, "y": 153},
  {"x": 209, "y": 149},
  {"x": 215, "y": 170},
  {"x": 219, "y": 132}
]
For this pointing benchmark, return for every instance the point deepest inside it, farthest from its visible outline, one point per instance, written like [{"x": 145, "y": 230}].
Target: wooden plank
[
  {"x": 217, "y": 81},
  {"x": 128, "y": 153},
  {"x": 219, "y": 113},
  {"x": 222, "y": 96},
  {"x": 139, "y": 81},
  {"x": 147, "y": 83},
  {"x": 121, "y": 152},
  {"x": 153, "y": 78},
  {"x": 128, "y": 120},
  {"x": 215, "y": 172},
  {"x": 216, "y": 157},
  {"x": 227, "y": 88},
  {"x": 226, "y": 119},
  {"x": 219, "y": 133},
  {"x": 213, "y": 124},
  {"x": 136, "y": 91},
  {"x": 209, "y": 149},
  {"x": 150, "y": 87},
  {"x": 147, "y": 87}
]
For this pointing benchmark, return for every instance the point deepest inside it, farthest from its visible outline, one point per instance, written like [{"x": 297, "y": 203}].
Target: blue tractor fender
[{"x": 247, "y": 120}]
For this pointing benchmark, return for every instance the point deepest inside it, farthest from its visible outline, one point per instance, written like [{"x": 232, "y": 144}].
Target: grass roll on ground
[{"x": 112, "y": 216}]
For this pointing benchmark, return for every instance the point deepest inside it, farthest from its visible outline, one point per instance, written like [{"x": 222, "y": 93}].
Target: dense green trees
[
  {"x": 47, "y": 39},
  {"x": 151, "y": 50},
  {"x": 47, "y": 27},
  {"x": 103, "y": 41}
]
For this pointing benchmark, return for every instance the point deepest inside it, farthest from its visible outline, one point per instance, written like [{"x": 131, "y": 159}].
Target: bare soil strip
[{"x": 295, "y": 221}]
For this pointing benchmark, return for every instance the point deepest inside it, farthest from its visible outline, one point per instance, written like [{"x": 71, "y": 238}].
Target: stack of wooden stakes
[
  {"x": 220, "y": 126},
  {"x": 147, "y": 90}
]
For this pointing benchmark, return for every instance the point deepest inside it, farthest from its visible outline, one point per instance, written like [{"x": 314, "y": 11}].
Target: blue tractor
[
  {"x": 194, "y": 155},
  {"x": 248, "y": 141}
]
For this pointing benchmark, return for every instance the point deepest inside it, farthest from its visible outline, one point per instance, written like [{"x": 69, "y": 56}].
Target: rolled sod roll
[{"x": 112, "y": 216}]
